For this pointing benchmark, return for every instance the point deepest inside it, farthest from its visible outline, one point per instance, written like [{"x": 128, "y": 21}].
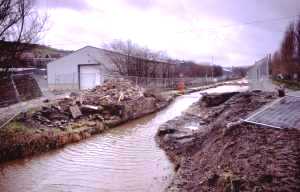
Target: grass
[
  {"x": 293, "y": 85},
  {"x": 15, "y": 127}
]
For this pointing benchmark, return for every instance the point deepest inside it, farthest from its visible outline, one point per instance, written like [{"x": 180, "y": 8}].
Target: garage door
[{"x": 90, "y": 76}]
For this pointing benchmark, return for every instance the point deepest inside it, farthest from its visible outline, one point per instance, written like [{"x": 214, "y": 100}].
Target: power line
[
  {"x": 253, "y": 22},
  {"x": 261, "y": 21}
]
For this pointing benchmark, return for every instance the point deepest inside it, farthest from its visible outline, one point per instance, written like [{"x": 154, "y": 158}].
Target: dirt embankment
[
  {"x": 77, "y": 117},
  {"x": 227, "y": 155}
]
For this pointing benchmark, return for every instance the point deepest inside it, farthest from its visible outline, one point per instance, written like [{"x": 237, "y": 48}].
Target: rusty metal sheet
[{"x": 282, "y": 113}]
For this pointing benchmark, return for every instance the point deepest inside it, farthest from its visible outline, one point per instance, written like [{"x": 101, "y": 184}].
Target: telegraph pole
[{"x": 212, "y": 66}]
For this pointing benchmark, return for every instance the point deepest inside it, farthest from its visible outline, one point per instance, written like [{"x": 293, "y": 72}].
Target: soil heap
[{"x": 227, "y": 155}]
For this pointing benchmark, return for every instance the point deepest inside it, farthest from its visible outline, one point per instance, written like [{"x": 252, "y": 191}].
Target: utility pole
[{"x": 212, "y": 66}]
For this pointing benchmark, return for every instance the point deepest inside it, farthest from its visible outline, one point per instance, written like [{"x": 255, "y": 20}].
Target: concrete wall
[{"x": 63, "y": 73}]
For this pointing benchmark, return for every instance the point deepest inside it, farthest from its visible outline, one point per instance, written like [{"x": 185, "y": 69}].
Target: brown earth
[
  {"x": 77, "y": 117},
  {"x": 227, "y": 155}
]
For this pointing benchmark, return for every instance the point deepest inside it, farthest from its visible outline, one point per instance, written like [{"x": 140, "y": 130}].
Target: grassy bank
[{"x": 293, "y": 85}]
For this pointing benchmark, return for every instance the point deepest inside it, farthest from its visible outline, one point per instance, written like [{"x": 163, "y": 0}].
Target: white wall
[{"x": 63, "y": 73}]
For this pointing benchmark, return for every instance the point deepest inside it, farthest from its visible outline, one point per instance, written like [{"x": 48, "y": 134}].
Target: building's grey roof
[{"x": 110, "y": 53}]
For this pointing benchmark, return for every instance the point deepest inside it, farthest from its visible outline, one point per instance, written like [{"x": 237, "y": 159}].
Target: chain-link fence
[
  {"x": 259, "y": 75},
  {"x": 168, "y": 83},
  {"x": 71, "y": 82},
  {"x": 260, "y": 70}
]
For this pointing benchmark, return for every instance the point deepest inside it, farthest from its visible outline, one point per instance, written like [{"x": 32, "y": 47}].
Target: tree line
[
  {"x": 193, "y": 69},
  {"x": 285, "y": 62},
  {"x": 135, "y": 60}
]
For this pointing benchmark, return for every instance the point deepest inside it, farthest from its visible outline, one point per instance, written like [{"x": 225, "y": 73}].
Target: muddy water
[{"x": 123, "y": 159}]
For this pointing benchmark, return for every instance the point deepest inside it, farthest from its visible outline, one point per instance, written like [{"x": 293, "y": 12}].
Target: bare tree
[
  {"x": 19, "y": 26},
  {"x": 134, "y": 60},
  {"x": 193, "y": 69},
  {"x": 240, "y": 71},
  {"x": 297, "y": 33},
  {"x": 288, "y": 49},
  {"x": 276, "y": 64},
  {"x": 120, "y": 55}
]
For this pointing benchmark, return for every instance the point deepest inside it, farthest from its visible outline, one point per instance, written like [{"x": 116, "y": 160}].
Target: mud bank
[
  {"x": 214, "y": 151},
  {"x": 54, "y": 126}
]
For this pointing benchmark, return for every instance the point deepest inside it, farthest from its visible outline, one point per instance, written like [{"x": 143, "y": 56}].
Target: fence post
[
  {"x": 73, "y": 80},
  {"x": 15, "y": 88},
  {"x": 55, "y": 81},
  {"x": 136, "y": 81}
]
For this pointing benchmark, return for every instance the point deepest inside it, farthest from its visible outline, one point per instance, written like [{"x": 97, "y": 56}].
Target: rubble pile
[
  {"x": 53, "y": 116},
  {"x": 112, "y": 92},
  {"x": 112, "y": 103}
]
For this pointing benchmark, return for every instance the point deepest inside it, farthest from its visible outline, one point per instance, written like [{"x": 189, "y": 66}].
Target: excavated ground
[{"x": 215, "y": 151}]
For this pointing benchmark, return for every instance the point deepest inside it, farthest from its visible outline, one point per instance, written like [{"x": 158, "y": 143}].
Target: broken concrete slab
[{"x": 75, "y": 111}]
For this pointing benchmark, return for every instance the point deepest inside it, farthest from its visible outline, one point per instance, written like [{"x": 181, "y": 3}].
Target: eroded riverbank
[
  {"x": 221, "y": 153},
  {"x": 125, "y": 158}
]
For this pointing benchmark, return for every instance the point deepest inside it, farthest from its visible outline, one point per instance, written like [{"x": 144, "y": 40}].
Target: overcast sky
[{"x": 185, "y": 29}]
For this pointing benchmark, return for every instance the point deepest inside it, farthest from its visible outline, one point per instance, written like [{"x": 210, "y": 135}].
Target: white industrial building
[{"x": 82, "y": 69}]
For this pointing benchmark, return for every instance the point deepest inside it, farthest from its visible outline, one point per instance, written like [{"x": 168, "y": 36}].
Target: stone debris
[
  {"x": 106, "y": 103},
  {"x": 112, "y": 92},
  {"x": 75, "y": 111}
]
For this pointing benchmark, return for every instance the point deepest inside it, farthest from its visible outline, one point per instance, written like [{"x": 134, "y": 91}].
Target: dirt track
[{"x": 225, "y": 154}]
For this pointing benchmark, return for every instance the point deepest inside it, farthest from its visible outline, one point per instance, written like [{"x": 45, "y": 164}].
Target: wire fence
[
  {"x": 260, "y": 70},
  {"x": 18, "y": 90},
  {"x": 70, "y": 81},
  {"x": 259, "y": 75},
  {"x": 169, "y": 83}
]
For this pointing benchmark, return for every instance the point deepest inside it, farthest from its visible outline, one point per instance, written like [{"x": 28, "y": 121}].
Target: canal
[{"x": 123, "y": 159}]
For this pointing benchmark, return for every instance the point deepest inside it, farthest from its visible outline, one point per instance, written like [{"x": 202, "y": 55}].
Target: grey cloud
[
  {"x": 255, "y": 40},
  {"x": 143, "y": 4},
  {"x": 69, "y": 4},
  {"x": 244, "y": 9}
]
